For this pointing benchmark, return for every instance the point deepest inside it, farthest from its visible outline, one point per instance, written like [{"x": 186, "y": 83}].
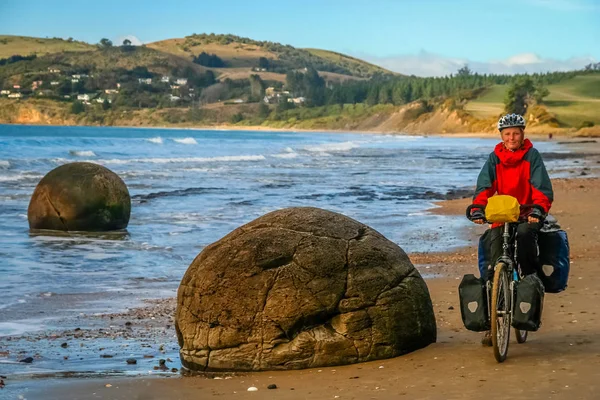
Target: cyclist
[{"x": 514, "y": 168}]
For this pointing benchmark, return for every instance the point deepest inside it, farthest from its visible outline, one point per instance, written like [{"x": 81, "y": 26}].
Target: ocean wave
[
  {"x": 286, "y": 155},
  {"x": 326, "y": 147},
  {"x": 4, "y": 164},
  {"x": 178, "y": 160},
  {"x": 157, "y": 140},
  {"x": 187, "y": 140},
  {"x": 82, "y": 153},
  {"x": 20, "y": 176}
]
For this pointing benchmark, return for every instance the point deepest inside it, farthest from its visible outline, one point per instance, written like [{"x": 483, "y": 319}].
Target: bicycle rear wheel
[
  {"x": 521, "y": 335},
  {"x": 500, "y": 312}
]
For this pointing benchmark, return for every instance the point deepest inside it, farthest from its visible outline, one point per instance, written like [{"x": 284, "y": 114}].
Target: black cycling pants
[{"x": 527, "y": 248}]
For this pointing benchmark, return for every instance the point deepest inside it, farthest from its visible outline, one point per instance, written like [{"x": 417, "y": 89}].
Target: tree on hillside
[
  {"x": 263, "y": 62},
  {"x": 104, "y": 42},
  {"x": 257, "y": 88},
  {"x": 209, "y": 60},
  {"x": 519, "y": 95},
  {"x": 464, "y": 71},
  {"x": 126, "y": 43}
]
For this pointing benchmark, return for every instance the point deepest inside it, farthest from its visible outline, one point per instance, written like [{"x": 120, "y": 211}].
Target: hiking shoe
[{"x": 487, "y": 339}]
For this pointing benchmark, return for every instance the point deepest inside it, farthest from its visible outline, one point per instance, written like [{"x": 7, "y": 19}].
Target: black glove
[
  {"x": 537, "y": 213},
  {"x": 477, "y": 214}
]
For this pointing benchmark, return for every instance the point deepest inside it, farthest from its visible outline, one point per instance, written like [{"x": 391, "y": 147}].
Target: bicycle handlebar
[{"x": 531, "y": 207}]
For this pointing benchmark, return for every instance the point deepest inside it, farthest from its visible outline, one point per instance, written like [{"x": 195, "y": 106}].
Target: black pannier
[
  {"x": 554, "y": 260},
  {"x": 473, "y": 303},
  {"x": 529, "y": 301}
]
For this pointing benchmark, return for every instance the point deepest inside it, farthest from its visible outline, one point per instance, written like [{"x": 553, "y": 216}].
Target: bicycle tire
[
  {"x": 521, "y": 335},
  {"x": 500, "y": 312}
]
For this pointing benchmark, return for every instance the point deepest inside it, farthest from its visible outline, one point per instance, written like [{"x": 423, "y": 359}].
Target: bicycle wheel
[
  {"x": 500, "y": 313},
  {"x": 521, "y": 335}
]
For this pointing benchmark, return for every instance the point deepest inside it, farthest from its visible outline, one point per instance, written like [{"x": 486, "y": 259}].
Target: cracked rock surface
[
  {"x": 80, "y": 196},
  {"x": 299, "y": 288}
]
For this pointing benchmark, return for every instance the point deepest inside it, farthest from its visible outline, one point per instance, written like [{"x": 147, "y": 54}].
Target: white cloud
[
  {"x": 134, "y": 40},
  {"x": 430, "y": 64}
]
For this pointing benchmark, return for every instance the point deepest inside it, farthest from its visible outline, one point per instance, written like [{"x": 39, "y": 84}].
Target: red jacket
[{"x": 519, "y": 173}]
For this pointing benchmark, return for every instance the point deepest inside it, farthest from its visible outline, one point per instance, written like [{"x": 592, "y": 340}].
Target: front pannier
[
  {"x": 529, "y": 301},
  {"x": 473, "y": 303}
]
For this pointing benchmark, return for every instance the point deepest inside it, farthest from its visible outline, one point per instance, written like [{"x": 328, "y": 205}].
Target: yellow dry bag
[{"x": 501, "y": 208}]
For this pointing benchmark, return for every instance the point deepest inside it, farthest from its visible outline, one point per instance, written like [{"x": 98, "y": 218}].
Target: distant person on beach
[{"x": 515, "y": 168}]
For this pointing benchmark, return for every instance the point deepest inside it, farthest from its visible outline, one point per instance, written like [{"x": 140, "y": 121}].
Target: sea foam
[{"x": 187, "y": 140}]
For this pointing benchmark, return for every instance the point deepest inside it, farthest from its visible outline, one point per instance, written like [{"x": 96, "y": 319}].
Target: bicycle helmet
[{"x": 511, "y": 120}]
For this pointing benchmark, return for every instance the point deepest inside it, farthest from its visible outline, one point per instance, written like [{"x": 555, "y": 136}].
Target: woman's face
[{"x": 512, "y": 137}]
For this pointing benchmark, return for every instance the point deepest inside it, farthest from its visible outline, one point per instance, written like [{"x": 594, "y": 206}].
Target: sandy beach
[{"x": 561, "y": 361}]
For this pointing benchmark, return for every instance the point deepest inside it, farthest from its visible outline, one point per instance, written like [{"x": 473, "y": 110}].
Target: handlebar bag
[
  {"x": 554, "y": 260},
  {"x": 473, "y": 303},
  {"x": 502, "y": 208}
]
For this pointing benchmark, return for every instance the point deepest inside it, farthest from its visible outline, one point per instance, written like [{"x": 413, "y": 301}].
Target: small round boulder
[
  {"x": 80, "y": 196},
  {"x": 300, "y": 288}
]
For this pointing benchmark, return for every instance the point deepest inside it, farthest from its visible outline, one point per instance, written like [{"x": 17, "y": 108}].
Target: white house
[
  {"x": 173, "y": 98},
  {"x": 146, "y": 81},
  {"x": 53, "y": 70},
  {"x": 76, "y": 76},
  {"x": 297, "y": 100},
  {"x": 84, "y": 97},
  {"x": 74, "y": 80},
  {"x": 181, "y": 81},
  {"x": 111, "y": 91},
  {"x": 165, "y": 79},
  {"x": 174, "y": 86},
  {"x": 15, "y": 96},
  {"x": 5, "y": 92},
  {"x": 54, "y": 83},
  {"x": 101, "y": 100}
]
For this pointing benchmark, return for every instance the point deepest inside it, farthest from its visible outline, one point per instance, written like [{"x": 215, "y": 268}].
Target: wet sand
[{"x": 561, "y": 361}]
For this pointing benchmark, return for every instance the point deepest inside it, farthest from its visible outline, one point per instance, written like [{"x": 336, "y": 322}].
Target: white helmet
[{"x": 511, "y": 120}]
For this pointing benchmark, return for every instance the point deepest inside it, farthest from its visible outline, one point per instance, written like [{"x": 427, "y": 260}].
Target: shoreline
[{"x": 566, "y": 136}]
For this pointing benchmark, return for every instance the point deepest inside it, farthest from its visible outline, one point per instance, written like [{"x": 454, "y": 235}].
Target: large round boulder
[
  {"x": 80, "y": 196},
  {"x": 299, "y": 288}
]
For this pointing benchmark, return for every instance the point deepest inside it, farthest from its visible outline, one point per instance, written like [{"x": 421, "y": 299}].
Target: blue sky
[{"x": 555, "y": 33}]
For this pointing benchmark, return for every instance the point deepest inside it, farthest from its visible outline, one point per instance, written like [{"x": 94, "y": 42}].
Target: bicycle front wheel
[{"x": 500, "y": 312}]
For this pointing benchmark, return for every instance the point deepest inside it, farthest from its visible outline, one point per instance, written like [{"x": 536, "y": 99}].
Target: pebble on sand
[{"x": 252, "y": 389}]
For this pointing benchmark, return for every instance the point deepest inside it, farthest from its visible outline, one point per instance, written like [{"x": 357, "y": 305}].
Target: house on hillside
[
  {"x": 74, "y": 80},
  {"x": 146, "y": 81},
  {"x": 16, "y": 86},
  {"x": 297, "y": 100},
  {"x": 165, "y": 79},
  {"x": 36, "y": 84},
  {"x": 174, "y": 98},
  {"x": 86, "y": 97},
  {"x": 15, "y": 96},
  {"x": 4, "y": 92},
  {"x": 111, "y": 91},
  {"x": 101, "y": 100},
  {"x": 174, "y": 87},
  {"x": 53, "y": 70},
  {"x": 54, "y": 83},
  {"x": 181, "y": 81},
  {"x": 76, "y": 76}
]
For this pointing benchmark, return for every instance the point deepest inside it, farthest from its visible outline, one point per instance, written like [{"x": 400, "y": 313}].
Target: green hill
[
  {"x": 572, "y": 101},
  {"x": 24, "y": 46},
  {"x": 239, "y": 52}
]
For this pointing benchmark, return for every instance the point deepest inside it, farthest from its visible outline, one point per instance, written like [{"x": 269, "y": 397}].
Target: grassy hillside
[
  {"x": 572, "y": 101},
  {"x": 24, "y": 46},
  {"x": 239, "y": 52},
  {"x": 362, "y": 68}
]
